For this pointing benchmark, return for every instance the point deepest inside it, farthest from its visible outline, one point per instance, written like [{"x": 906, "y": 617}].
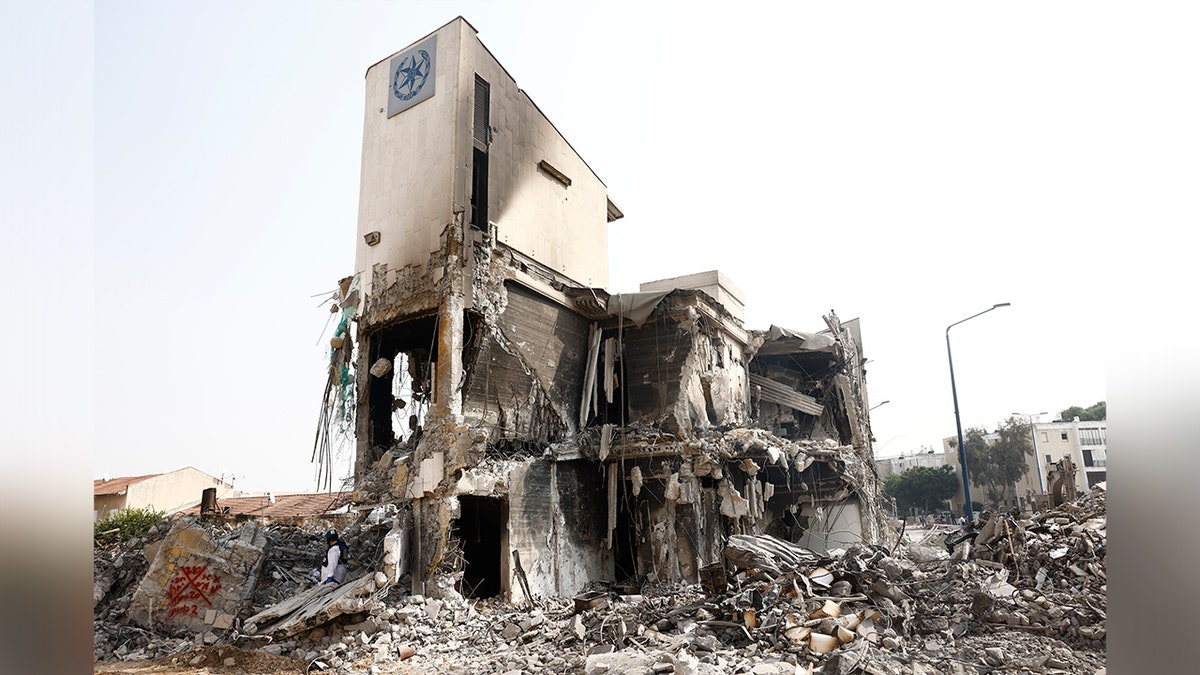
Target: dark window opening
[
  {"x": 479, "y": 528},
  {"x": 479, "y": 189},
  {"x": 807, "y": 373},
  {"x": 1064, "y": 435},
  {"x": 397, "y": 400},
  {"x": 1087, "y": 458}
]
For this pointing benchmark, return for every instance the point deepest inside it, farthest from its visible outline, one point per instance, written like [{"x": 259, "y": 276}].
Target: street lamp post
[
  {"x": 962, "y": 451},
  {"x": 1033, "y": 434}
]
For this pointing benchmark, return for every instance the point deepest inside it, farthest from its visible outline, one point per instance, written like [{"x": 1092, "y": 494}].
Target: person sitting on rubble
[{"x": 333, "y": 571}]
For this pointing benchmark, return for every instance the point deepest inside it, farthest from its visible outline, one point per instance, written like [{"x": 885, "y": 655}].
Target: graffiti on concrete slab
[{"x": 194, "y": 584}]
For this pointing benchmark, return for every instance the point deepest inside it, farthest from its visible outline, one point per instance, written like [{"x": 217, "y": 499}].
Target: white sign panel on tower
[{"x": 411, "y": 76}]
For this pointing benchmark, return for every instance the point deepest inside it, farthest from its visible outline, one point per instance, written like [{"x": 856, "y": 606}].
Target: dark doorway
[{"x": 479, "y": 527}]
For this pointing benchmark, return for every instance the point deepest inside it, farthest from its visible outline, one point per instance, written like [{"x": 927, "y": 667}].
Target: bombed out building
[{"x": 536, "y": 429}]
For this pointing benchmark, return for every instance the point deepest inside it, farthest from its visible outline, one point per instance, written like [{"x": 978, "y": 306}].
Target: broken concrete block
[
  {"x": 994, "y": 656},
  {"x": 192, "y": 574},
  {"x": 626, "y": 661},
  {"x": 820, "y": 643},
  {"x": 428, "y": 476},
  {"x": 395, "y": 560},
  {"x": 433, "y": 608},
  {"x": 381, "y": 367}
]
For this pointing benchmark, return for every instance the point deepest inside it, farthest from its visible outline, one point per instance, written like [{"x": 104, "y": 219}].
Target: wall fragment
[{"x": 197, "y": 582}]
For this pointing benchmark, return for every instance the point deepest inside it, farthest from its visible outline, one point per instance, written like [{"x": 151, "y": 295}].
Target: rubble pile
[
  {"x": 292, "y": 551},
  {"x": 295, "y": 551},
  {"x": 117, "y": 568},
  {"x": 1029, "y": 601},
  {"x": 1056, "y": 560}
]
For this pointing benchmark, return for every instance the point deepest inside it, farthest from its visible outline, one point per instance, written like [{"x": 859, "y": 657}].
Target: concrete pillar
[{"x": 448, "y": 379}]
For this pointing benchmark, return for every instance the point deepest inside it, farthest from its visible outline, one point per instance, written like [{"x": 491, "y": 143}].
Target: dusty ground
[
  {"x": 918, "y": 612},
  {"x": 205, "y": 660}
]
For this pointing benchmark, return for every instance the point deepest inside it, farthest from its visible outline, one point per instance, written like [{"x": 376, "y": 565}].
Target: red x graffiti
[{"x": 193, "y": 584}]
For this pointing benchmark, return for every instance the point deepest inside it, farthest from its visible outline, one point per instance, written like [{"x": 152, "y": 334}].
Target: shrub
[{"x": 128, "y": 523}]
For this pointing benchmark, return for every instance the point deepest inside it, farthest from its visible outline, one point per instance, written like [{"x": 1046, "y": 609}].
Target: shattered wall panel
[
  {"x": 683, "y": 370},
  {"x": 669, "y": 543},
  {"x": 401, "y": 292},
  {"x": 714, "y": 377},
  {"x": 532, "y": 528},
  {"x": 579, "y": 523},
  {"x": 832, "y": 526},
  {"x": 523, "y": 379},
  {"x": 654, "y": 355}
]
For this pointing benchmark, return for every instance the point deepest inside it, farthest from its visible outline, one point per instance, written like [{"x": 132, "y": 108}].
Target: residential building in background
[
  {"x": 1084, "y": 443},
  {"x": 286, "y": 506},
  {"x": 169, "y": 492},
  {"x": 926, "y": 457}
]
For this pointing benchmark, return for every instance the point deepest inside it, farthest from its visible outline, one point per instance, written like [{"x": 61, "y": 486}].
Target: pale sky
[{"x": 909, "y": 164}]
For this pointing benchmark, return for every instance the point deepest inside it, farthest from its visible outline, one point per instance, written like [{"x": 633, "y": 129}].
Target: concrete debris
[
  {"x": 318, "y": 606},
  {"x": 196, "y": 581},
  {"x": 779, "y": 608},
  {"x": 766, "y": 553}
]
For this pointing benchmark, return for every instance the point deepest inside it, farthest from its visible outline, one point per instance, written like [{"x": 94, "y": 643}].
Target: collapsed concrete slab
[
  {"x": 196, "y": 581},
  {"x": 319, "y": 605}
]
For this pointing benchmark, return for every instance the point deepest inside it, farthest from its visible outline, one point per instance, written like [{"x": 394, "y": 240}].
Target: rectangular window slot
[
  {"x": 554, "y": 173},
  {"x": 479, "y": 189},
  {"x": 482, "y": 128}
]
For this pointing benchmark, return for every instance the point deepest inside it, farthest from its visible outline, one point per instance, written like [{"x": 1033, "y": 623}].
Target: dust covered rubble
[
  {"x": 120, "y": 567},
  {"x": 1030, "y": 601}
]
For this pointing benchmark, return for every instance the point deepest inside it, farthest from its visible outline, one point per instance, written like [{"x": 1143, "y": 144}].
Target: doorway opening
[{"x": 479, "y": 528}]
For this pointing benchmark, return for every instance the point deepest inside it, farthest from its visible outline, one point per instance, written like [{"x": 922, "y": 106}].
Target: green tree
[
  {"x": 999, "y": 462},
  {"x": 922, "y": 486},
  {"x": 127, "y": 523},
  {"x": 1095, "y": 413}
]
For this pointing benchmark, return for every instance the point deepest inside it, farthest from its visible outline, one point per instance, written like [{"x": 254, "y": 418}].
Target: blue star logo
[{"x": 411, "y": 76}]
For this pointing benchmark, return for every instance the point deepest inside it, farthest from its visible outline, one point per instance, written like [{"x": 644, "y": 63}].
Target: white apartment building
[
  {"x": 927, "y": 457},
  {"x": 1084, "y": 442}
]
